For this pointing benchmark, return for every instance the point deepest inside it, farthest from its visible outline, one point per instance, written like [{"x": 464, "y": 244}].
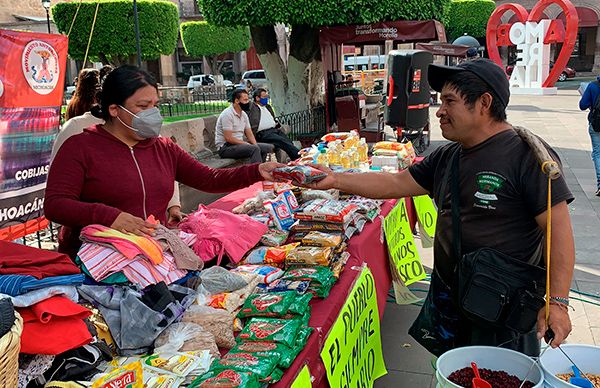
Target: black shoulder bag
[{"x": 492, "y": 288}]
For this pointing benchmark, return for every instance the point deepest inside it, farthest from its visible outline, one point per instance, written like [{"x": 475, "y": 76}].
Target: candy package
[
  {"x": 326, "y": 211},
  {"x": 299, "y": 305},
  {"x": 280, "y": 212},
  {"x": 266, "y": 273},
  {"x": 228, "y": 378},
  {"x": 130, "y": 375},
  {"x": 299, "y": 174},
  {"x": 261, "y": 367},
  {"x": 274, "y": 237},
  {"x": 316, "y": 275},
  {"x": 309, "y": 256},
  {"x": 271, "y": 329},
  {"x": 177, "y": 363},
  {"x": 279, "y": 285},
  {"x": 273, "y": 304},
  {"x": 282, "y": 353},
  {"x": 321, "y": 239}
]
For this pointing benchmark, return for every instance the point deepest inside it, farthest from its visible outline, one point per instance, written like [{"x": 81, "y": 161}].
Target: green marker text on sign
[
  {"x": 352, "y": 352},
  {"x": 401, "y": 245}
]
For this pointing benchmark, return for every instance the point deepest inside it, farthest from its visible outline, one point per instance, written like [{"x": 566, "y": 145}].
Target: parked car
[
  {"x": 567, "y": 72},
  {"x": 200, "y": 80},
  {"x": 257, "y": 77}
]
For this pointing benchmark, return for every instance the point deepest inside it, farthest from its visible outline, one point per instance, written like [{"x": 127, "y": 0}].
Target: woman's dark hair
[
  {"x": 258, "y": 92},
  {"x": 88, "y": 85},
  {"x": 237, "y": 94},
  {"x": 470, "y": 88},
  {"x": 118, "y": 86},
  {"x": 105, "y": 70}
]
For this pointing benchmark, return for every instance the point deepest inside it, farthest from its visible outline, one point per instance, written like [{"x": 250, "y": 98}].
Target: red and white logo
[{"x": 40, "y": 66}]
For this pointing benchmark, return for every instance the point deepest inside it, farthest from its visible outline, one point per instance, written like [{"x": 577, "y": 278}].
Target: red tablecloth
[{"x": 367, "y": 247}]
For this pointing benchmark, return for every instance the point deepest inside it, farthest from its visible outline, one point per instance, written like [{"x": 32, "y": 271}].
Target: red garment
[
  {"x": 54, "y": 326},
  {"x": 18, "y": 259},
  {"x": 95, "y": 176}
]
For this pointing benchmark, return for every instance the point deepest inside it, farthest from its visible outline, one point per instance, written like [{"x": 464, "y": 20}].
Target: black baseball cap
[{"x": 487, "y": 70}]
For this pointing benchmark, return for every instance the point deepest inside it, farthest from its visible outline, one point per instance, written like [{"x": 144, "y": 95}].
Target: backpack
[{"x": 594, "y": 117}]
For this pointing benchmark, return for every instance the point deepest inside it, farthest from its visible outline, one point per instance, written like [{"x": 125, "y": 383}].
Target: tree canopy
[
  {"x": 468, "y": 17},
  {"x": 204, "y": 39},
  {"x": 113, "y": 39}
]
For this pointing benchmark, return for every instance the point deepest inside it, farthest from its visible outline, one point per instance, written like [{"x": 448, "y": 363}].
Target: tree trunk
[{"x": 292, "y": 87}]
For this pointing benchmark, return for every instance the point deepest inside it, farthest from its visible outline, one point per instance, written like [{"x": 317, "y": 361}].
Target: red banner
[{"x": 32, "y": 78}]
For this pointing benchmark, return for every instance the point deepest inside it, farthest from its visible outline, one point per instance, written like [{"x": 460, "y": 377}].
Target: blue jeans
[{"x": 595, "y": 137}]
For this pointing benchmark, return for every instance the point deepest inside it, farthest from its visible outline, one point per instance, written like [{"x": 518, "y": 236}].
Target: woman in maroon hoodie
[{"x": 119, "y": 173}]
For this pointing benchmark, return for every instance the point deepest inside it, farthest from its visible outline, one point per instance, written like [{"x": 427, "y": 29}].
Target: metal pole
[
  {"x": 137, "y": 34},
  {"x": 48, "y": 20}
]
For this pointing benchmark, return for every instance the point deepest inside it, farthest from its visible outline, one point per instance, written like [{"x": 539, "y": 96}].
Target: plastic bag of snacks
[
  {"x": 291, "y": 200},
  {"x": 218, "y": 279},
  {"x": 280, "y": 285},
  {"x": 162, "y": 380},
  {"x": 326, "y": 211},
  {"x": 231, "y": 301},
  {"x": 270, "y": 329},
  {"x": 228, "y": 378},
  {"x": 280, "y": 212},
  {"x": 299, "y": 174},
  {"x": 130, "y": 374},
  {"x": 282, "y": 353},
  {"x": 186, "y": 337},
  {"x": 277, "y": 255},
  {"x": 266, "y": 273},
  {"x": 218, "y": 322},
  {"x": 261, "y": 367},
  {"x": 273, "y": 304},
  {"x": 309, "y": 256},
  {"x": 321, "y": 239},
  {"x": 303, "y": 333},
  {"x": 299, "y": 305},
  {"x": 318, "y": 275},
  {"x": 255, "y": 256},
  {"x": 178, "y": 363},
  {"x": 274, "y": 238}
]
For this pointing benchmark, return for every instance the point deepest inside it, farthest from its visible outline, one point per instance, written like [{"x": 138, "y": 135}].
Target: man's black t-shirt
[{"x": 502, "y": 190}]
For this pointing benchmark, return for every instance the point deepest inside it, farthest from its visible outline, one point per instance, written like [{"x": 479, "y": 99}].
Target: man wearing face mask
[
  {"x": 119, "y": 173},
  {"x": 265, "y": 127},
  {"x": 234, "y": 138}
]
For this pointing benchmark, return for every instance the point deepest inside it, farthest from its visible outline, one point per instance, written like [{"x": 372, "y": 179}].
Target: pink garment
[
  {"x": 221, "y": 232},
  {"x": 128, "y": 244}
]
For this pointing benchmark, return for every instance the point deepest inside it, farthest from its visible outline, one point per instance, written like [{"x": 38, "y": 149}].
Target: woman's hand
[
  {"x": 128, "y": 223},
  {"x": 267, "y": 168},
  {"x": 175, "y": 216}
]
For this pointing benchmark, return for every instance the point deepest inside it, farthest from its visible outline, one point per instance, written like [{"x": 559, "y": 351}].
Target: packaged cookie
[
  {"x": 322, "y": 239},
  {"x": 309, "y": 256}
]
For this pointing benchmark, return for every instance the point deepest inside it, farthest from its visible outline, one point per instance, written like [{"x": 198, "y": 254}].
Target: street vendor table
[{"x": 366, "y": 247}]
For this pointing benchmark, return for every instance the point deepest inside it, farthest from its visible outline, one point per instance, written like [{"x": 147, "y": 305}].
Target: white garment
[
  {"x": 32, "y": 297},
  {"x": 230, "y": 120},
  {"x": 267, "y": 120}
]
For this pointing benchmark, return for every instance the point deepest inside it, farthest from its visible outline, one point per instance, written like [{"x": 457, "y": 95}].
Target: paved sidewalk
[{"x": 558, "y": 120}]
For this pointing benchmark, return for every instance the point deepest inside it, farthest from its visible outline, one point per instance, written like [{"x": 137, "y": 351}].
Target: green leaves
[
  {"x": 468, "y": 16},
  {"x": 204, "y": 39},
  {"x": 114, "y": 34},
  {"x": 319, "y": 12}
]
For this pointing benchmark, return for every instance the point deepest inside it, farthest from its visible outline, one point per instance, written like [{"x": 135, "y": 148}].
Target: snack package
[
  {"x": 303, "y": 333},
  {"x": 226, "y": 378},
  {"x": 309, "y": 256},
  {"x": 280, "y": 285},
  {"x": 218, "y": 322},
  {"x": 270, "y": 329},
  {"x": 266, "y": 273},
  {"x": 326, "y": 211},
  {"x": 255, "y": 256},
  {"x": 316, "y": 275},
  {"x": 273, "y": 304},
  {"x": 249, "y": 206},
  {"x": 299, "y": 305},
  {"x": 178, "y": 363},
  {"x": 321, "y": 239},
  {"x": 276, "y": 255},
  {"x": 299, "y": 174},
  {"x": 335, "y": 136},
  {"x": 309, "y": 195},
  {"x": 338, "y": 264},
  {"x": 130, "y": 375},
  {"x": 291, "y": 200},
  {"x": 388, "y": 145},
  {"x": 280, "y": 212},
  {"x": 217, "y": 280},
  {"x": 282, "y": 353},
  {"x": 261, "y": 367},
  {"x": 162, "y": 380},
  {"x": 185, "y": 337},
  {"x": 274, "y": 237}
]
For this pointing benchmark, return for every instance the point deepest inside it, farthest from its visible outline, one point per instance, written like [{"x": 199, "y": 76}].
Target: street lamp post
[{"x": 46, "y": 5}]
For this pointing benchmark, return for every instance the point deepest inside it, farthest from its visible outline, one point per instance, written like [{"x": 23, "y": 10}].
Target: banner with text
[
  {"x": 32, "y": 75},
  {"x": 352, "y": 351},
  {"x": 303, "y": 380},
  {"x": 427, "y": 216}
]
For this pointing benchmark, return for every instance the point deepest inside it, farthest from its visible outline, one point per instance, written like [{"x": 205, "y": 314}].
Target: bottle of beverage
[
  {"x": 363, "y": 151},
  {"x": 355, "y": 158},
  {"x": 322, "y": 158},
  {"x": 333, "y": 156},
  {"x": 346, "y": 161}
]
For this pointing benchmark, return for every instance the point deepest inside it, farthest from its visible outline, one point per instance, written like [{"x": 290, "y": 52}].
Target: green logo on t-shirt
[{"x": 487, "y": 184}]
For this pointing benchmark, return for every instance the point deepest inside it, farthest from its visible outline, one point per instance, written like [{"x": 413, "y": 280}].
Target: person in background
[
  {"x": 120, "y": 173},
  {"x": 265, "y": 127},
  {"x": 590, "y": 99},
  {"x": 234, "y": 138},
  {"x": 88, "y": 83},
  {"x": 104, "y": 71}
]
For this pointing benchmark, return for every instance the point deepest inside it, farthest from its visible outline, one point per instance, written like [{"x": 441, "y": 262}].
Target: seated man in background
[
  {"x": 266, "y": 128},
  {"x": 232, "y": 126}
]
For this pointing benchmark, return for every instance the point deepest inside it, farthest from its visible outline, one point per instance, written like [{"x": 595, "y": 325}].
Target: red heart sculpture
[{"x": 535, "y": 16}]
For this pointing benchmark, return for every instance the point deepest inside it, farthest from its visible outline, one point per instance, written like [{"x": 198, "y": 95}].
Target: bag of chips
[
  {"x": 299, "y": 305},
  {"x": 274, "y": 237},
  {"x": 299, "y": 174},
  {"x": 270, "y": 329},
  {"x": 228, "y": 378},
  {"x": 321, "y": 239},
  {"x": 327, "y": 211},
  {"x": 273, "y": 304},
  {"x": 130, "y": 374},
  {"x": 261, "y": 367},
  {"x": 280, "y": 212},
  {"x": 279, "y": 285},
  {"x": 283, "y": 353},
  {"x": 276, "y": 255},
  {"x": 309, "y": 256},
  {"x": 266, "y": 273}
]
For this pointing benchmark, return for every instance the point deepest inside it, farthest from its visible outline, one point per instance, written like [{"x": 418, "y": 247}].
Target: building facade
[{"x": 586, "y": 55}]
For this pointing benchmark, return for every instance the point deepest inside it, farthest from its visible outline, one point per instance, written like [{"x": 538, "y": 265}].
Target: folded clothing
[
  {"x": 54, "y": 326},
  {"x": 7, "y": 316},
  {"x": 14, "y": 285},
  {"x": 185, "y": 258},
  {"x": 18, "y": 259},
  {"x": 36, "y": 296}
]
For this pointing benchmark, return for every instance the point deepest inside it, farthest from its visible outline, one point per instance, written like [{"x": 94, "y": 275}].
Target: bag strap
[{"x": 455, "y": 202}]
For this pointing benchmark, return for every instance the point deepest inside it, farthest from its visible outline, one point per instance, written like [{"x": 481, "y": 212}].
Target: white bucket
[
  {"x": 553, "y": 362},
  {"x": 488, "y": 357}
]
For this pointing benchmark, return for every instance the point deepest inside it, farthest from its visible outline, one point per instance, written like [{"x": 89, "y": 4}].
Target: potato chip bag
[
  {"x": 261, "y": 367},
  {"x": 226, "y": 378},
  {"x": 270, "y": 329},
  {"x": 283, "y": 353},
  {"x": 272, "y": 304}
]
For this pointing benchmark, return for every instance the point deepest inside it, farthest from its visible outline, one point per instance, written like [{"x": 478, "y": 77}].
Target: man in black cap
[{"x": 502, "y": 205}]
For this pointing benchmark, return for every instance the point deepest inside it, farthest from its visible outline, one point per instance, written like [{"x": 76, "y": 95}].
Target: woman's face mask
[
  {"x": 264, "y": 100},
  {"x": 146, "y": 124}
]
